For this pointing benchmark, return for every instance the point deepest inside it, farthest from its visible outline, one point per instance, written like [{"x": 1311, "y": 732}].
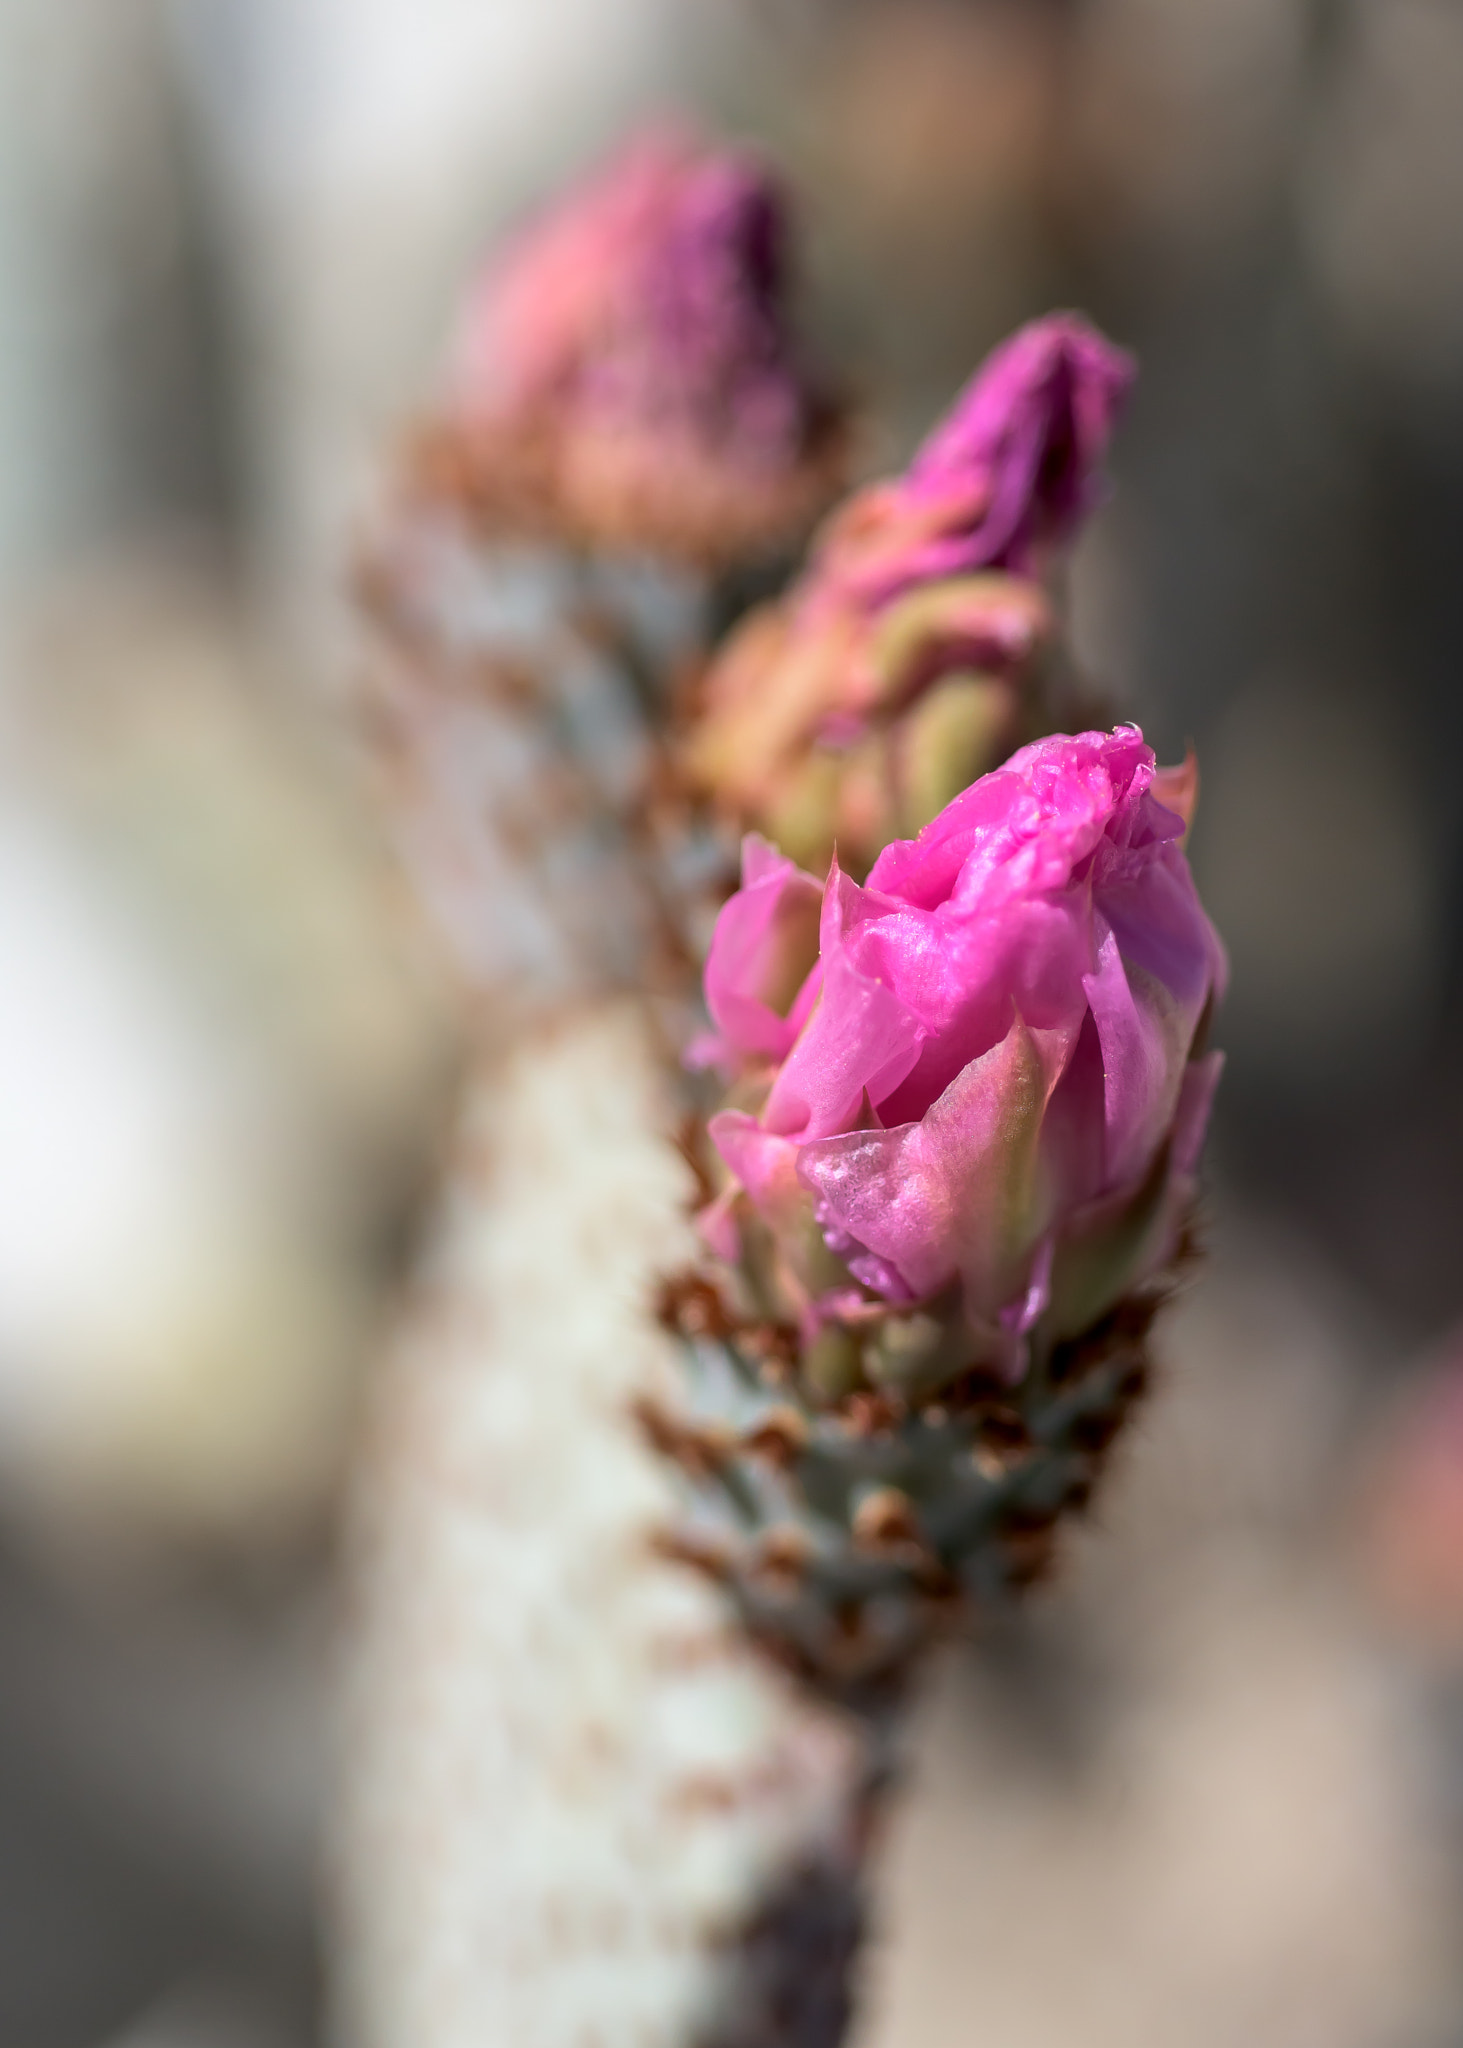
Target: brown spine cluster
[{"x": 854, "y": 1533}]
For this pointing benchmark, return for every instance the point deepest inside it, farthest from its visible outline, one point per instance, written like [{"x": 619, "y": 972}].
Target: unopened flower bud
[
  {"x": 992, "y": 1105},
  {"x": 813, "y": 727},
  {"x": 629, "y": 360}
]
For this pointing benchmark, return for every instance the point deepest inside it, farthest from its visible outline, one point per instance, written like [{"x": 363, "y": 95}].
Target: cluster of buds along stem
[
  {"x": 918, "y": 648},
  {"x": 960, "y": 1005},
  {"x": 954, "y": 1168}
]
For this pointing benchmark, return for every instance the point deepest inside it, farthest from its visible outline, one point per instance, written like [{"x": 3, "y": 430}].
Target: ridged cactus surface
[
  {"x": 511, "y": 695},
  {"x": 571, "y": 1786},
  {"x": 854, "y": 1531}
]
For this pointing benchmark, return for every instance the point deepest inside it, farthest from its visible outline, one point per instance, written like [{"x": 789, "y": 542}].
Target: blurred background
[{"x": 1212, "y": 1789}]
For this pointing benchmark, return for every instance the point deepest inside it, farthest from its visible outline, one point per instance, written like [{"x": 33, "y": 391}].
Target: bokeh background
[{"x": 1210, "y": 1791}]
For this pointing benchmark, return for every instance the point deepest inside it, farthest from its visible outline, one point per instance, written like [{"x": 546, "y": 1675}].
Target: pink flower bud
[
  {"x": 999, "y": 1093},
  {"x": 636, "y": 335},
  {"x": 1009, "y": 472},
  {"x": 901, "y": 666}
]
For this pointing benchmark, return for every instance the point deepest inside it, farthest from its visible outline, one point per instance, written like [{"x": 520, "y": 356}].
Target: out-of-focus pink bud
[
  {"x": 1006, "y": 475},
  {"x": 904, "y": 663},
  {"x": 996, "y": 1103},
  {"x": 630, "y": 358}
]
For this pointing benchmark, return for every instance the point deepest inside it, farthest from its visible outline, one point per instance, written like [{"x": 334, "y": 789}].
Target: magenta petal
[
  {"x": 860, "y": 1037},
  {"x": 1159, "y": 966},
  {"x": 1073, "y": 1136},
  {"x": 879, "y": 1192},
  {"x": 1148, "y": 898},
  {"x": 765, "y": 1164},
  {"x": 762, "y": 969},
  {"x": 957, "y": 1192},
  {"x": 1191, "y": 1121},
  {"x": 859, "y": 1040},
  {"x": 1145, "y": 1031},
  {"x": 1036, "y": 419},
  {"x": 1023, "y": 828},
  {"x": 1191, "y": 1118},
  {"x": 1012, "y": 468}
]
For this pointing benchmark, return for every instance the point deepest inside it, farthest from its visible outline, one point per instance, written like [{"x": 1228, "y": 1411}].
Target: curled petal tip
[{"x": 1177, "y": 789}]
